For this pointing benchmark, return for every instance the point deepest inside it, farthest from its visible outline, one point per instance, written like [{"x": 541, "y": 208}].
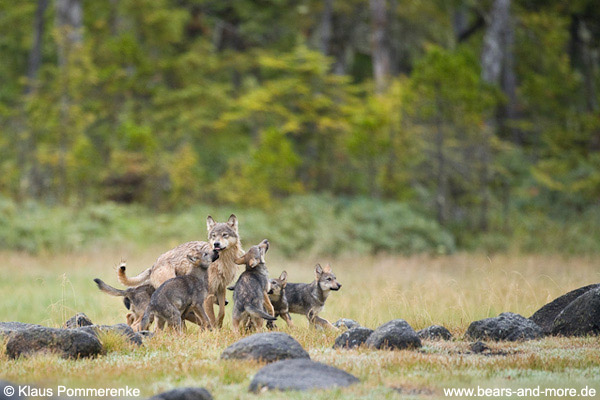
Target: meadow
[{"x": 451, "y": 290}]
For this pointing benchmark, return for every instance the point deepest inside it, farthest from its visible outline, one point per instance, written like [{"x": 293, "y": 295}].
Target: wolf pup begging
[
  {"x": 279, "y": 300},
  {"x": 135, "y": 299},
  {"x": 222, "y": 237},
  {"x": 309, "y": 298},
  {"x": 180, "y": 296},
  {"x": 250, "y": 290}
]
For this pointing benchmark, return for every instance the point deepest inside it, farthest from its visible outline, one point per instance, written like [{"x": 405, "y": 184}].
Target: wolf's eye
[
  {"x": 225, "y": 235},
  {"x": 328, "y": 279},
  {"x": 213, "y": 235}
]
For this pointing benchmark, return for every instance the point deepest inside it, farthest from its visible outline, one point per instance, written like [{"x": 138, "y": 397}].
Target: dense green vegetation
[{"x": 380, "y": 125}]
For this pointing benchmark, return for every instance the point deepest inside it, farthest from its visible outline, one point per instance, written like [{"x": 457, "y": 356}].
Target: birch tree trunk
[{"x": 380, "y": 48}]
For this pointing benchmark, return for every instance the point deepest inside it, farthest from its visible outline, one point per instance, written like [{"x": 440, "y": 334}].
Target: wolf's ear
[
  {"x": 327, "y": 269},
  {"x": 318, "y": 270},
  {"x": 283, "y": 277},
  {"x": 210, "y": 223},
  {"x": 233, "y": 222},
  {"x": 264, "y": 246}
]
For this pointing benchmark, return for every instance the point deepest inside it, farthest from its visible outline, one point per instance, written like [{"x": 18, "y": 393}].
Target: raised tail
[
  {"x": 258, "y": 313},
  {"x": 140, "y": 279},
  {"x": 109, "y": 289}
]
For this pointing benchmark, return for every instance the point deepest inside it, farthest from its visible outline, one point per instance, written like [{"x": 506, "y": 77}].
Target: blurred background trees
[{"x": 479, "y": 115}]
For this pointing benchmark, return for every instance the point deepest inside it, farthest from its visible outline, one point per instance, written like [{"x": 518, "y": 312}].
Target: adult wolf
[{"x": 223, "y": 237}]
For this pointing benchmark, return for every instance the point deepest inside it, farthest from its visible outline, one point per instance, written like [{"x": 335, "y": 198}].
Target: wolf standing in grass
[
  {"x": 250, "y": 291},
  {"x": 222, "y": 237},
  {"x": 309, "y": 298}
]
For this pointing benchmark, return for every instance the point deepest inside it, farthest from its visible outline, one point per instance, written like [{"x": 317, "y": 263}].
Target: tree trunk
[
  {"x": 27, "y": 157},
  {"x": 492, "y": 58},
  {"x": 441, "y": 196},
  {"x": 326, "y": 28},
  {"x": 69, "y": 20},
  {"x": 380, "y": 52}
]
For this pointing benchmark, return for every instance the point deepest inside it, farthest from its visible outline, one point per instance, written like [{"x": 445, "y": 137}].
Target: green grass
[{"x": 449, "y": 290}]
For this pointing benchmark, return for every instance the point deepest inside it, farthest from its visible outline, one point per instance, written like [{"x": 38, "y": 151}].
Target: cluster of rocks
[{"x": 78, "y": 338}]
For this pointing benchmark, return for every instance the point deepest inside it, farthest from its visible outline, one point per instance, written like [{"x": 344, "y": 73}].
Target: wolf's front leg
[
  {"x": 209, "y": 308},
  {"x": 221, "y": 299}
]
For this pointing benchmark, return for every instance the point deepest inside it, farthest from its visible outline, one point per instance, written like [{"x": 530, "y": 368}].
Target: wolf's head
[
  {"x": 255, "y": 255},
  {"x": 203, "y": 259},
  {"x": 326, "y": 278},
  {"x": 278, "y": 286},
  {"x": 222, "y": 235}
]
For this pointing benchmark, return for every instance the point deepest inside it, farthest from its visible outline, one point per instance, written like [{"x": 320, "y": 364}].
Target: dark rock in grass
[
  {"x": 581, "y": 317},
  {"x": 479, "y": 347},
  {"x": 6, "y": 388},
  {"x": 346, "y": 323},
  {"x": 7, "y": 328},
  {"x": 546, "y": 315},
  {"x": 269, "y": 347},
  {"x": 69, "y": 343},
  {"x": 352, "y": 338},
  {"x": 120, "y": 329},
  {"x": 78, "y": 320},
  {"x": 435, "y": 332},
  {"x": 507, "y": 326},
  {"x": 188, "y": 393},
  {"x": 300, "y": 375},
  {"x": 395, "y": 334}
]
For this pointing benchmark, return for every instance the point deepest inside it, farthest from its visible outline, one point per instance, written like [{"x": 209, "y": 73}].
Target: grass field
[{"x": 450, "y": 290}]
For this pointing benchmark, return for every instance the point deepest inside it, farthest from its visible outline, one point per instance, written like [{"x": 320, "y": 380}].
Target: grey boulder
[
  {"x": 396, "y": 334},
  {"x": 581, "y": 317},
  {"x": 120, "y": 329},
  {"x": 300, "y": 375},
  {"x": 268, "y": 347},
  {"x": 78, "y": 320},
  {"x": 346, "y": 323},
  {"x": 69, "y": 343},
  {"x": 507, "y": 326},
  {"x": 352, "y": 338},
  {"x": 8, "y": 328},
  {"x": 188, "y": 393},
  {"x": 435, "y": 332},
  {"x": 546, "y": 315}
]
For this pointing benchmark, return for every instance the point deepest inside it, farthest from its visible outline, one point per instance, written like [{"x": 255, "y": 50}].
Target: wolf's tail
[
  {"x": 109, "y": 289},
  {"x": 140, "y": 279},
  {"x": 258, "y": 313}
]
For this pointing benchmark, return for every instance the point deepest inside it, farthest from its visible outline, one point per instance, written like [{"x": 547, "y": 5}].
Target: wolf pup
[
  {"x": 279, "y": 300},
  {"x": 223, "y": 237},
  {"x": 135, "y": 299},
  {"x": 309, "y": 298},
  {"x": 180, "y": 296},
  {"x": 250, "y": 290}
]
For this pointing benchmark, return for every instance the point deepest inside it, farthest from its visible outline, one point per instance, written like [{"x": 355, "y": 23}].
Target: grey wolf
[
  {"x": 136, "y": 300},
  {"x": 180, "y": 296},
  {"x": 309, "y": 298},
  {"x": 250, "y": 290},
  {"x": 279, "y": 301},
  {"x": 222, "y": 237}
]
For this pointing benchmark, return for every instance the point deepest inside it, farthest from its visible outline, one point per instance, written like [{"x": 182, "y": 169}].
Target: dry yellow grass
[{"x": 452, "y": 291}]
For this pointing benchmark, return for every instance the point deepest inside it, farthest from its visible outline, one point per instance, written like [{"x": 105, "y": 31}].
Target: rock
[
  {"x": 395, "y": 334},
  {"x": 7, "y": 328},
  {"x": 121, "y": 329},
  {"x": 78, "y": 320},
  {"x": 352, "y": 338},
  {"x": 69, "y": 343},
  {"x": 507, "y": 326},
  {"x": 546, "y": 315},
  {"x": 479, "y": 347},
  {"x": 5, "y": 391},
  {"x": 300, "y": 375},
  {"x": 346, "y": 323},
  {"x": 581, "y": 317},
  {"x": 268, "y": 347},
  {"x": 435, "y": 332},
  {"x": 188, "y": 393}
]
